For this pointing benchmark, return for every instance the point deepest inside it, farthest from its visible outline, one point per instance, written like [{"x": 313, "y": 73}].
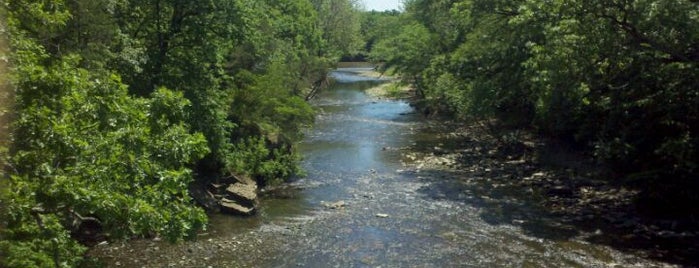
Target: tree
[
  {"x": 269, "y": 107},
  {"x": 629, "y": 87},
  {"x": 618, "y": 78},
  {"x": 340, "y": 23},
  {"x": 84, "y": 150},
  {"x": 375, "y": 25},
  {"x": 119, "y": 104}
]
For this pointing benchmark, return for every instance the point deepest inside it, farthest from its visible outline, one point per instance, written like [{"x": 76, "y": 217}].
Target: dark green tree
[
  {"x": 83, "y": 150},
  {"x": 618, "y": 77},
  {"x": 119, "y": 103}
]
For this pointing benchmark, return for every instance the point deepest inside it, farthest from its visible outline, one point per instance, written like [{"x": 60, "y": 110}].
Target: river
[{"x": 368, "y": 200}]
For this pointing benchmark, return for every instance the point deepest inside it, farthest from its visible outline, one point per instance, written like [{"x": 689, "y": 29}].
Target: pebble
[{"x": 334, "y": 205}]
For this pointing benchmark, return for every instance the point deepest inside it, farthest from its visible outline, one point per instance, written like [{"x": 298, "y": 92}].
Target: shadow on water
[{"x": 554, "y": 195}]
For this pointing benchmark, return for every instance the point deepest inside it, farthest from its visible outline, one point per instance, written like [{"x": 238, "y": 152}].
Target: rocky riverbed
[{"x": 385, "y": 187}]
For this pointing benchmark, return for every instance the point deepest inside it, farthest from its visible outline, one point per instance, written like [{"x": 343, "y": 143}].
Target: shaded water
[{"x": 395, "y": 213}]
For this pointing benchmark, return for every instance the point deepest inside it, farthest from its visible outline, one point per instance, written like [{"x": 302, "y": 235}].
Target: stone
[
  {"x": 561, "y": 190},
  {"x": 233, "y": 207},
  {"x": 238, "y": 198},
  {"x": 245, "y": 194},
  {"x": 439, "y": 150},
  {"x": 335, "y": 205},
  {"x": 217, "y": 186},
  {"x": 244, "y": 179}
]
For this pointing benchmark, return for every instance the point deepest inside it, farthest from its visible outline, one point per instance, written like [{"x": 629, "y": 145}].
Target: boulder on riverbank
[
  {"x": 238, "y": 197},
  {"x": 233, "y": 207},
  {"x": 235, "y": 195}
]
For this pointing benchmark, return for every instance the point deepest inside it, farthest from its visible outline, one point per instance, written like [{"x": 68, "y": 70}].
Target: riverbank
[
  {"x": 581, "y": 196},
  {"x": 546, "y": 187},
  {"x": 393, "y": 88}
]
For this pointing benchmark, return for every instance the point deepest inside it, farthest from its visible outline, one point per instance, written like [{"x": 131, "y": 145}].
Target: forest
[
  {"x": 120, "y": 105},
  {"x": 111, "y": 109},
  {"x": 616, "y": 79}
]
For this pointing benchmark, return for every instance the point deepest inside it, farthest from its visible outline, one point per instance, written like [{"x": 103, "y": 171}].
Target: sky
[{"x": 381, "y": 5}]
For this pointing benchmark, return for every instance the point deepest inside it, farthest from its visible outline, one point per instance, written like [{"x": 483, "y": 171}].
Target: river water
[{"x": 368, "y": 201}]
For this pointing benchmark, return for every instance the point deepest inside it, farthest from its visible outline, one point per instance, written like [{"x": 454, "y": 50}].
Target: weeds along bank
[{"x": 119, "y": 104}]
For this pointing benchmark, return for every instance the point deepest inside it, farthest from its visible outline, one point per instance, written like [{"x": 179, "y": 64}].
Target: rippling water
[
  {"x": 346, "y": 158},
  {"x": 394, "y": 216}
]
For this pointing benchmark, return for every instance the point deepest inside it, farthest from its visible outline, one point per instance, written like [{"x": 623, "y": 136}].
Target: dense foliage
[
  {"x": 119, "y": 104},
  {"x": 340, "y": 22},
  {"x": 618, "y": 77}
]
